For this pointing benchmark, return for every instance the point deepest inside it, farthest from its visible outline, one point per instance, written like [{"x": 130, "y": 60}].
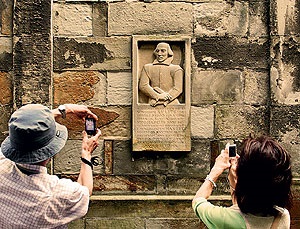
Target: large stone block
[
  {"x": 132, "y": 223},
  {"x": 75, "y": 87},
  {"x": 110, "y": 53},
  {"x": 68, "y": 160},
  {"x": 202, "y": 122},
  {"x": 285, "y": 70},
  {"x": 126, "y": 184},
  {"x": 152, "y": 209},
  {"x": 183, "y": 185},
  {"x": 231, "y": 52},
  {"x": 220, "y": 18},
  {"x": 185, "y": 163},
  {"x": 6, "y": 88},
  {"x": 5, "y": 112},
  {"x": 284, "y": 17},
  {"x": 32, "y": 69},
  {"x": 258, "y": 18},
  {"x": 223, "y": 87},
  {"x": 100, "y": 17},
  {"x": 126, "y": 18},
  {"x": 256, "y": 87},
  {"x": 127, "y": 163},
  {"x": 237, "y": 122},
  {"x": 6, "y": 57},
  {"x": 32, "y": 18},
  {"x": 121, "y": 126},
  {"x": 187, "y": 223},
  {"x": 6, "y": 16},
  {"x": 77, "y": 224},
  {"x": 285, "y": 126},
  {"x": 72, "y": 19},
  {"x": 119, "y": 88}
]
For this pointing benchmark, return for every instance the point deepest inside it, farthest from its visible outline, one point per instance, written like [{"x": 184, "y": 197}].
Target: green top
[{"x": 218, "y": 217}]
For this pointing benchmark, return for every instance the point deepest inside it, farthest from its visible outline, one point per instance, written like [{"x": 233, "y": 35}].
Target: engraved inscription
[{"x": 163, "y": 128}]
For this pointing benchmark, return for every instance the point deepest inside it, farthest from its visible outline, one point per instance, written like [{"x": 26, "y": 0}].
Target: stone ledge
[{"x": 152, "y": 197}]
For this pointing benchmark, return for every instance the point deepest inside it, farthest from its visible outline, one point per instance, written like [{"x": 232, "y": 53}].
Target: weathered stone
[
  {"x": 127, "y": 163},
  {"x": 258, "y": 18},
  {"x": 6, "y": 58},
  {"x": 72, "y": 19},
  {"x": 77, "y": 224},
  {"x": 187, "y": 223},
  {"x": 32, "y": 69},
  {"x": 238, "y": 121},
  {"x": 202, "y": 122},
  {"x": 218, "y": 86},
  {"x": 76, "y": 126},
  {"x": 155, "y": 209},
  {"x": 32, "y": 18},
  {"x": 32, "y": 52},
  {"x": 110, "y": 53},
  {"x": 108, "y": 156},
  {"x": 132, "y": 223},
  {"x": 183, "y": 185},
  {"x": 285, "y": 71},
  {"x": 231, "y": 52},
  {"x": 6, "y": 88},
  {"x": 119, "y": 88},
  {"x": 284, "y": 17},
  {"x": 6, "y": 16},
  {"x": 74, "y": 87},
  {"x": 285, "y": 126},
  {"x": 195, "y": 162},
  {"x": 121, "y": 126},
  {"x": 156, "y": 18},
  {"x": 5, "y": 112},
  {"x": 100, "y": 16},
  {"x": 124, "y": 184},
  {"x": 220, "y": 18},
  {"x": 68, "y": 160},
  {"x": 256, "y": 87}
]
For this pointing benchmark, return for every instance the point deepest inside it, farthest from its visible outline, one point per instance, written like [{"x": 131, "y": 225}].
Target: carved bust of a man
[{"x": 161, "y": 80}]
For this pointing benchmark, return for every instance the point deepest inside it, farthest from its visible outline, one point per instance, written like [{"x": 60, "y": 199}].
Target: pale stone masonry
[{"x": 244, "y": 79}]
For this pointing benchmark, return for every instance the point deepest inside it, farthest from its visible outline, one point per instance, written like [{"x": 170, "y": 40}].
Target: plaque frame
[{"x": 162, "y": 127}]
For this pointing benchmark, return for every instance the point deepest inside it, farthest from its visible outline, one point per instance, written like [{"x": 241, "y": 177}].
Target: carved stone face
[{"x": 161, "y": 52}]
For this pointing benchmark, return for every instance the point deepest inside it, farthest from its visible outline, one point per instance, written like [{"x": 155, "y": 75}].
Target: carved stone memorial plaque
[{"x": 161, "y": 94}]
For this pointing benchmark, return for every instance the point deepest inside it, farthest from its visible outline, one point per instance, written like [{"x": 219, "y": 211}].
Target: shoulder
[
  {"x": 175, "y": 67},
  {"x": 67, "y": 185},
  {"x": 218, "y": 217}
]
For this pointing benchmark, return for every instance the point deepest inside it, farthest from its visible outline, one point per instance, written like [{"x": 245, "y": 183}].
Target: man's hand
[
  {"x": 89, "y": 144},
  {"x": 164, "y": 96},
  {"x": 81, "y": 111}
]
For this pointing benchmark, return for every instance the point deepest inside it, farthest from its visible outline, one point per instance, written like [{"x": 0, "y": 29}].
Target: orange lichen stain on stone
[
  {"x": 5, "y": 89},
  {"x": 74, "y": 87}
]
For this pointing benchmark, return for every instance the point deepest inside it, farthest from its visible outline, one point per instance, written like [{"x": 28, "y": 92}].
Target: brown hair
[{"x": 264, "y": 176}]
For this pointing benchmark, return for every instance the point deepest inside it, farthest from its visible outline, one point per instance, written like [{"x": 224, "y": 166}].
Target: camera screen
[
  {"x": 232, "y": 150},
  {"x": 90, "y": 126}
]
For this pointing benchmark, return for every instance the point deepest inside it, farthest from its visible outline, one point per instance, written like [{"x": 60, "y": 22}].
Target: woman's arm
[{"x": 222, "y": 163}]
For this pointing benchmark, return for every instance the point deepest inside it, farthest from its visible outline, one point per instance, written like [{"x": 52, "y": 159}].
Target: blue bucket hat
[{"x": 34, "y": 136}]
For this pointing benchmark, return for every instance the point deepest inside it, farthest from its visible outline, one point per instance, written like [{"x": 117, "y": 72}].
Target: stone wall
[{"x": 245, "y": 79}]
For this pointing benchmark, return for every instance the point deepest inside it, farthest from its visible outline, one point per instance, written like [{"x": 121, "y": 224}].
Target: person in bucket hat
[{"x": 29, "y": 196}]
